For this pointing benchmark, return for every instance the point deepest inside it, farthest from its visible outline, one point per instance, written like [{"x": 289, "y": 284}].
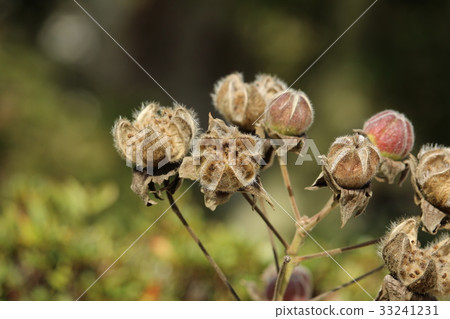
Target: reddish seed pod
[
  {"x": 289, "y": 113},
  {"x": 391, "y": 132},
  {"x": 299, "y": 287}
]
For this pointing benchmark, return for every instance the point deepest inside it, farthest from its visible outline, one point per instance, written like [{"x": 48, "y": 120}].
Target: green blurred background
[{"x": 66, "y": 209}]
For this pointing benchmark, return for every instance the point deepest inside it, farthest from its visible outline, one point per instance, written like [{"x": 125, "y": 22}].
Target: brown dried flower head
[
  {"x": 421, "y": 271},
  {"x": 433, "y": 176},
  {"x": 353, "y": 161},
  {"x": 156, "y": 133},
  {"x": 240, "y": 103},
  {"x": 430, "y": 177},
  {"x": 348, "y": 168},
  {"x": 225, "y": 161},
  {"x": 269, "y": 86}
]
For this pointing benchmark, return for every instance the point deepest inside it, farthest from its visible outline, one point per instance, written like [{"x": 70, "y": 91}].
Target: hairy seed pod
[
  {"x": 422, "y": 271},
  {"x": 156, "y": 134},
  {"x": 240, "y": 103},
  {"x": 289, "y": 113},
  {"x": 433, "y": 176},
  {"x": 391, "y": 132},
  {"x": 353, "y": 161},
  {"x": 268, "y": 86}
]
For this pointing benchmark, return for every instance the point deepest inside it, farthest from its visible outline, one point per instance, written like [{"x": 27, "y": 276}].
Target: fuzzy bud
[
  {"x": 433, "y": 176},
  {"x": 156, "y": 134},
  {"x": 289, "y": 113},
  {"x": 391, "y": 132},
  {"x": 353, "y": 161},
  {"x": 240, "y": 103}
]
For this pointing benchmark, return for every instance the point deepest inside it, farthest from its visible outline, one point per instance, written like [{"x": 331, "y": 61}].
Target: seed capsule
[
  {"x": 352, "y": 161},
  {"x": 391, "y": 132},
  {"x": 433, "y": 176},
  {"x": 240, "y": 103},
  {"x": 289, "y": 113},
  {"x": 157, "y": 133},
  {"x": 268, "y": 86}
]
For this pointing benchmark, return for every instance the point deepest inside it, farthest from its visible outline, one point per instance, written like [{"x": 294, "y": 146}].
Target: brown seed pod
[
  {"x": 433, "y": 176},
  {"x": 348, "y": 169},
  {"x": 421, "y": 271},
  {"x": 240, "y": 103},
  {"x": 154, "y": 144},
  {"x": 269, "y": 86},
  {"x": 225, "y": 161},
  {"x": 157, "y": 133},
  {"x": 430, "y": 177},
  {"x": 353, "y": 161}
]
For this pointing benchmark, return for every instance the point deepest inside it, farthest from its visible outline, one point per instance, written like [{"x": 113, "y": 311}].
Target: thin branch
[
  {"x": 272, "y": 242},
  {"x": 327, "y": 208},
  {"x": 327, "y": 293},
  {"x": 219, "y": 272},
  {"x": 280, "y": 286},
  {"x": 261, "y": 214},
  {"x": 287, "y": 183},
  {"x": 335, "y": 251}
]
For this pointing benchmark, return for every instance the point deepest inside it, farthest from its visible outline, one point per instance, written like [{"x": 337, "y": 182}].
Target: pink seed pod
[
  {"x": 289, "y": 113},
  {"x": 299, "y": 288},
  {"x": 353, "y": 161},
  {"x": 391, "y": 132}
]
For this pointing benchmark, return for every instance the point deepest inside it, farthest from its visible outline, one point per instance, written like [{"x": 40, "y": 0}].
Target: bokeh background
[{"x": 66, "y": 209}]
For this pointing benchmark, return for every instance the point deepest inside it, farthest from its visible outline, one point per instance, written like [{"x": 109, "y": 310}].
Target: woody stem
[
  {"x": 269, "y": 232},
  {"x": 287, "y": 183},
  {"x": 264, "y": 218},
  {"x": 299, "y": 259},
  {"x": 216, "y": 267}
]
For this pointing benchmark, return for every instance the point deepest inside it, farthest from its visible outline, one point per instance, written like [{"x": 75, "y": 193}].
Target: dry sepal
[
  {"x": 154, "y": 144},
  {"x": 431, "y": 181},
  {"x": 420, "y": 272},
  {"x": 224, "y": 161},
  {"x": 347, "y": 170},
  {"x": 393, "y": 134}
]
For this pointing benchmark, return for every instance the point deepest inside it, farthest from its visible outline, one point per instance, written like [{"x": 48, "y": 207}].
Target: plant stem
[
  {"x": 219, "y": 272},
  {"x": 278, "y": 292},
  {"x": 303, "y": 226},
  {"x": 261, "y": 214},
  {"x": 287, "y": 183},
  {"x": 325, "y": 294},
  {"x": 299, "y": 259},
  {"x": 272, "y": 242},
  {"x": 327, "y": 208}
]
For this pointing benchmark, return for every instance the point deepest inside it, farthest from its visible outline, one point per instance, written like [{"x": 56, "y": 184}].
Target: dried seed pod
[
  {"x": 421, "y": 271},
  {"x": 225, "y": 161},
  {"x": 157, "y": 133},
  {"x": 391, "y": 132},
  {"x": 154, "y": 144},
  {"x": 348, "y": 169},
  {"x": 430, "y": 177},
  {"x": 268, "y": 86},
  {"x": 353, "y": 161},
  {"x": 290, "y": 113},
  {"x": 433, "y": 176},
  {"x": 240, "y": 103}
]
